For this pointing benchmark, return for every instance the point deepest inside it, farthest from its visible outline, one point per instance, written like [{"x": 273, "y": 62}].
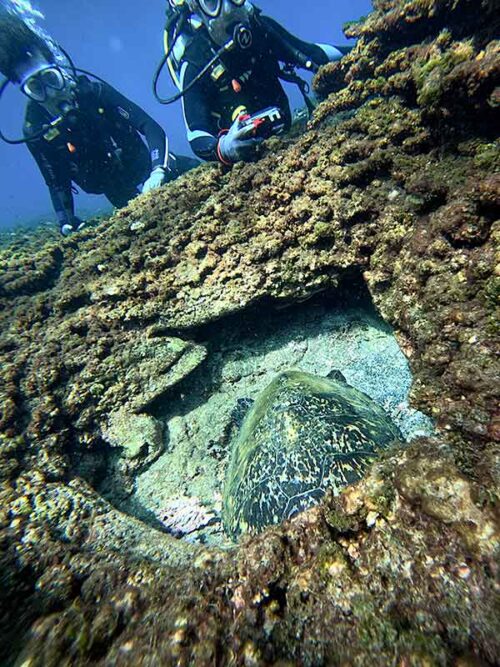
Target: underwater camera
[{"x": 265, "y": 123}]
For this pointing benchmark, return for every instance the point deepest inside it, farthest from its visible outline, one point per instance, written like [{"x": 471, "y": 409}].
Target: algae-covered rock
[
  {"x": 304, "y": 435},
  {"x": 21, "y": 274},
  {"x": 147, "y": 368},
  {"x": 139, "y": 436},
  {"x": 402, "y": 567}
]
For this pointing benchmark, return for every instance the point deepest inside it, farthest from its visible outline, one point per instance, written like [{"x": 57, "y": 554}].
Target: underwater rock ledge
[{"x": 400, "y": 569}]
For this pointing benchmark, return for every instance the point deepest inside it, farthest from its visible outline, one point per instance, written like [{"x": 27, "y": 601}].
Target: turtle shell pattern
[{"x": 305, "y": 434}]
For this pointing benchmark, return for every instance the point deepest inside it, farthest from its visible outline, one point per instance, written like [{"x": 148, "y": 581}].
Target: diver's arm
[
  {"x": 59, "y": 185},
  {"x": 202, "y": 133},
  {"x": 153, "y": 132},
  {"x": 62, "y": 201},
  {"x": 279, "y": 38}
]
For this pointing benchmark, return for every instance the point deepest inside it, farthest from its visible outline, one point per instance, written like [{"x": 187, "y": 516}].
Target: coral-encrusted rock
[
  {"x": 139, "y": 437},
  {"x": 455, "y": 77},
  {"x": 146, "y": 369},
  {"x": 26, "y": 268},
  {"x": 378, "y": 576},
  {"x": 402, "y": 568}
]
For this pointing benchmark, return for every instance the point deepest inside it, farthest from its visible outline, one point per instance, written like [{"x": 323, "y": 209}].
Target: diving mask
[
  {"x": 225, "y": 20},
  {"x": 51, "y": 87},
  {"x": 213, "y": 8}
]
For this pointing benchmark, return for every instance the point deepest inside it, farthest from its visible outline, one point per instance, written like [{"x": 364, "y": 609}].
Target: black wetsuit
[
  {"x": 251, "y": 80},
  {"x": 99, "y": 147}
]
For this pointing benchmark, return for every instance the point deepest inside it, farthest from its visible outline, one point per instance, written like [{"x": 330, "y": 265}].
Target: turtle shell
[{"x": 304, "y": 434}]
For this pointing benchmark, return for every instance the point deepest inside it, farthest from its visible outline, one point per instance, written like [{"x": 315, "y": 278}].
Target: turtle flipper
[{"x": 240, "y": 411}]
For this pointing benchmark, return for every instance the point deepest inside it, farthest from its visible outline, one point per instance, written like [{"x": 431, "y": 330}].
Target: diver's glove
[
  {"x": 156, "y": 178},
  {"x": 72, "y": 225},
  {"x": 238, "y": 144}
]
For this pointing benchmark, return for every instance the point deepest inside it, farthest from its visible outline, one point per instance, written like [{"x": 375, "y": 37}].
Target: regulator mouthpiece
[{"x": 243, "y": 36}]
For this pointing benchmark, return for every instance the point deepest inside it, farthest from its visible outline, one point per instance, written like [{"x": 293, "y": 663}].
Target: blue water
[{"x": 122, "y": 42}]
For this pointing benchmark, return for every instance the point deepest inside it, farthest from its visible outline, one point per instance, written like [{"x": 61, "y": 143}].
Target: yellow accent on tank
[
  {"x": 238, "y": 111},
  {"x": 51, "y": 134},
  {"x": 217, "y": 72}
]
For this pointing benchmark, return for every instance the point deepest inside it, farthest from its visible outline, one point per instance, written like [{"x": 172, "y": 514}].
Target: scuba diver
[
  {"x": 227, "y": 60},
  {"x": 81, "y": 130}
]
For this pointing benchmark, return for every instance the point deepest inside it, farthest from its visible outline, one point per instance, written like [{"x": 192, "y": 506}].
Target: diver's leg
[{"x": 121, "y": 193}]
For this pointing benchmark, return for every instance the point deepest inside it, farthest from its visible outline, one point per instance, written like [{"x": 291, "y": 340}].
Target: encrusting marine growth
[{"x": 400, "y": 568}]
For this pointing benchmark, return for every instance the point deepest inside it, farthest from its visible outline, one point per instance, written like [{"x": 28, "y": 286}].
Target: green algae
[
  {"x": 349, "y": 25},
  {"x": 374, "y": 631},
  {"x": 487, "y": 156},
  {"x": 429, "y": 73},
  {"x": 339, "y": 521}
]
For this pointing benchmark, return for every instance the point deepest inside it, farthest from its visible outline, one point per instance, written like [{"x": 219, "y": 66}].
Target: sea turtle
[{"x": 303, "y": 435}]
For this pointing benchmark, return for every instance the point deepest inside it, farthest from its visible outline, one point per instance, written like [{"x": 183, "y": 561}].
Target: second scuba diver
[
  {"x": 85, "y": 132},
  {"x": 225, "y": 56}
]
